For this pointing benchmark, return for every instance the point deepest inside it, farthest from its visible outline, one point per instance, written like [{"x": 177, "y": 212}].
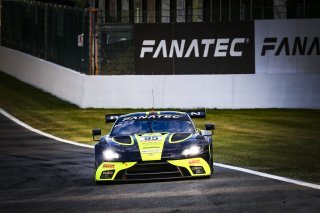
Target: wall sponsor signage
[
  {"x": 194, "y": 48},
  {"x": 299, "y": 46},
  {"x": 287, "y": 46}
]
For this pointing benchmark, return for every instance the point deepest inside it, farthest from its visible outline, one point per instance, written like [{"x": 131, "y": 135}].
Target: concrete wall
[
  {"x": 57, "y": 80},
  {"x": 275, "y": 90}
]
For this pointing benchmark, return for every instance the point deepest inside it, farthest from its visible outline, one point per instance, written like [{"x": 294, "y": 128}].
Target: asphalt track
[{"x": 38, "y": 174}]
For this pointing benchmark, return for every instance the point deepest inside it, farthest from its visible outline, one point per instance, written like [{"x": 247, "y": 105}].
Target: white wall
[
  {"x": 59, "y": 81},
  {"x": 178, "y": 91}
]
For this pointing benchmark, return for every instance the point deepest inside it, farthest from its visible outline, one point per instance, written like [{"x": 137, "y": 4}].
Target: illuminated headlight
[
  {"x": 110, "y": 155},
  {"x": 193, "y": 150}
]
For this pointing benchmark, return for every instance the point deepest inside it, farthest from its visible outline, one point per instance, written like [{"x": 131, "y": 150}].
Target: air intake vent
[
  {"x": 123, "y": 139},
  {"x": 153, "y": 170},
  {"x": 180, "y": 137}
]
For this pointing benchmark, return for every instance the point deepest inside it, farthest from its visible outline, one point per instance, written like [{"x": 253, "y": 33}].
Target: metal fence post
[{"x": 92, "y": 41}]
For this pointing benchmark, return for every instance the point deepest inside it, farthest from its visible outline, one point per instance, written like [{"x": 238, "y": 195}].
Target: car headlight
[
  {"x": 110, "y": 155},
  {"x": 193, "y": 150}
]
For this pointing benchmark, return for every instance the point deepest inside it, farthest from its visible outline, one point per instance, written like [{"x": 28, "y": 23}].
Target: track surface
[{"x": 38, "y": 174}]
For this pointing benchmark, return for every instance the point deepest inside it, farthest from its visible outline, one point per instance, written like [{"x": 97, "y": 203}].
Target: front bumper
[{"x": 123, "y": 171}]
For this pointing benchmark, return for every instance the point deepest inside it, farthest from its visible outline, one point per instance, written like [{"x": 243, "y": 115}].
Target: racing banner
[
  {"x": 194, "y": 48},
  {"x": 287, "y": 46}
]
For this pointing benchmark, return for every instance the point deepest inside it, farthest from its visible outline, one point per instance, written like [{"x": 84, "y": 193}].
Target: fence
[
  {"x": 54, "y": 33},
  {"x": 94, "y": 41},
  {"x": 117, "y": 47}
]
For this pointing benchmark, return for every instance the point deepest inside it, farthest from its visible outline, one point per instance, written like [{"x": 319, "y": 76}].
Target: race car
[{"x": 153, "y": 145}]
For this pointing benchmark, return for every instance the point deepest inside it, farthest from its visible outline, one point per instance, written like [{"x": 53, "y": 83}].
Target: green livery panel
[{"x": 197, "y": 167}]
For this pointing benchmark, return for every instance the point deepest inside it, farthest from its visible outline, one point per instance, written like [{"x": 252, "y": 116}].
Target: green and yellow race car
[{"x": 153, "y": 145}]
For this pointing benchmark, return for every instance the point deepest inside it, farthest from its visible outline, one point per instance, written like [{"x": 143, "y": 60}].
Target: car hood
[{"x": 150, "y": 146}]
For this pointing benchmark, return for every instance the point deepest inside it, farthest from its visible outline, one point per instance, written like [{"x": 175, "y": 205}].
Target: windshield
[{"x": 139, "y": 126}]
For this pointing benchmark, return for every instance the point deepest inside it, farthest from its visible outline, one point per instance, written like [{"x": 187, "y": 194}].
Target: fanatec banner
[
  {"x": 194, "y": 48},
  {"x": 287, "y": 46}
]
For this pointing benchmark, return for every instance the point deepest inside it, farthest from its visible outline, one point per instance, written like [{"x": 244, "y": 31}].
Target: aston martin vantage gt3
[{"x": 153, "y": 145}]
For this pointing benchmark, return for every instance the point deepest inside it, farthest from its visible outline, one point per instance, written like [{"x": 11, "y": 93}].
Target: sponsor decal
[
  {"x": 152, "y": 117},
  {"x": 151, "y": 138},
  {"x": 196, "y": 161},
  {"x": 151, "y": 146},
  {"x": 151, "y": 151},
  {"x": 299, "y": 46},
  {"x": 108, "y": 166},
  {"x": 197, "y": 114}
]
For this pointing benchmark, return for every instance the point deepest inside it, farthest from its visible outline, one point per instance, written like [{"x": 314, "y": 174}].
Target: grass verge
[{"x": 278, "y": 141}]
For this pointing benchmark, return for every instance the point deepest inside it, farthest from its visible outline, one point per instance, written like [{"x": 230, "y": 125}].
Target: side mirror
[
  {"x": 96, "y": 132},
  {"x": 209, "y": 127}
]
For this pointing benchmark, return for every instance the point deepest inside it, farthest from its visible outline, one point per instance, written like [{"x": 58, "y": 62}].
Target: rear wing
[
  {"x": 110, "y": 118},
  {"x": 201, "y": 113}
]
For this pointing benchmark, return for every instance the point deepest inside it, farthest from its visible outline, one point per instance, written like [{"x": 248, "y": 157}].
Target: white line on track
[
  {"x": 261, "y": 174},
  {"x": 40, "y": 132},
  {"x": 275, "y": 177}
]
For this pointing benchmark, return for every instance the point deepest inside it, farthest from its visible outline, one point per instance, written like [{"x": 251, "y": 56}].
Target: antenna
[{"x": 152, "y": 100}]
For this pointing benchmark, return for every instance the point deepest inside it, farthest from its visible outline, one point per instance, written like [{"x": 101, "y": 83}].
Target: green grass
[{"x": 278, "y": 141}]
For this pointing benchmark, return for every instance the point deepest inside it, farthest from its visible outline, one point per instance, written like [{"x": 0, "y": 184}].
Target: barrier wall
[
  {"x": 57, "y": 80},
  {"x": 284, "y": 90}
]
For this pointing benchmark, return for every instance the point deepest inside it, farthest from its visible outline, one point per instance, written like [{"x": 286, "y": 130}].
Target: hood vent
[
  {"x": 179, "y": 137},
  {"x": 126, "y": 140}
]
